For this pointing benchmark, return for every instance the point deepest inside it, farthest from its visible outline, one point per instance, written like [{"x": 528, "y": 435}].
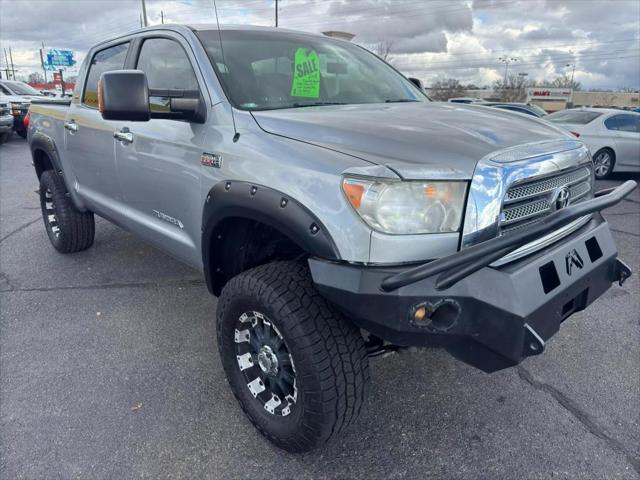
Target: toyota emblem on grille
[{"x": 561, "y": 198}]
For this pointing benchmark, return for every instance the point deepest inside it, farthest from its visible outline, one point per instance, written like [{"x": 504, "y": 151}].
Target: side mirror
[
  {"x": 417, "y": 83},
  {"x": 124, "y": 95}
]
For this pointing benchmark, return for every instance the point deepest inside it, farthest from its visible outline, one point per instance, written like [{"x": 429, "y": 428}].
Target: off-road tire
[
  {"x": 70, "y": 230},
  {"x": 331, "y": 365}
]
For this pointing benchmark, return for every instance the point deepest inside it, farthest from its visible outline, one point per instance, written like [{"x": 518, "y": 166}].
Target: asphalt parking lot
[{"x": 109, "y": 369}]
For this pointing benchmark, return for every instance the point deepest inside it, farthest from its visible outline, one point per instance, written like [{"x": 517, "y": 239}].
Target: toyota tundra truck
[{"x": 334, "y": 210}]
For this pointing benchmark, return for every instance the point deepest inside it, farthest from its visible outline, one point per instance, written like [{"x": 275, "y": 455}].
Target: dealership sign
[{"x": 59, "y": 60}]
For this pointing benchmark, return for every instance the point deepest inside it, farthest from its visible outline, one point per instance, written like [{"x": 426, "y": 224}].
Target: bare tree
[
  {"x": 35, "y": 77},
  {"x": 383, "y": 50},
  {"x": 513, "y": 90},
  {"x": 443, "y": 90},
  {"x": 561, "y": 81}
]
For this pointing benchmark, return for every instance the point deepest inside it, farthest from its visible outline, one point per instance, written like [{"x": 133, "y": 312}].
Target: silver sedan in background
[{"x": 613, "y": 136}]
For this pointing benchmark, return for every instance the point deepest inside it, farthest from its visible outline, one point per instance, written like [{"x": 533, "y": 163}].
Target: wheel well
[
  {"x": 609, "y": 149},
  {"x": 41, "y": 162},
  {"x": 238, "y": 244}
]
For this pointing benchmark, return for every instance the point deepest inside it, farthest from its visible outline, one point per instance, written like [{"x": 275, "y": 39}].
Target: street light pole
[
  {"x": 276, "y": 13},
  {"x": 144, "y": 13},
  {"x": 507, "y": 61}
]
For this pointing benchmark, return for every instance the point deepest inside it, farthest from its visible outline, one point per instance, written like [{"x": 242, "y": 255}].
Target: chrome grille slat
[
  {"x": 544, "y": 186},
  {"x": 530, "y": 200}
]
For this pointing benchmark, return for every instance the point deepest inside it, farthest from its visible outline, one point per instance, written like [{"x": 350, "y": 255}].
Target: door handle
[
  {"x": 71, "y": 126},
  {"x": 123, "y": 135}
]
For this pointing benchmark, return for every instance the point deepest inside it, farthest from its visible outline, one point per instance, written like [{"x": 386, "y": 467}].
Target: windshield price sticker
[{"x": 306, "y": 74}]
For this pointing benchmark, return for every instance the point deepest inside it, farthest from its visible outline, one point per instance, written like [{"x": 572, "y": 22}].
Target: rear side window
[
  {"x": 623, "y": 123},
  {"x": 166, "y": 64},
  {"x": 576, "y": 117},
  {"x": 111, "y": 58}
]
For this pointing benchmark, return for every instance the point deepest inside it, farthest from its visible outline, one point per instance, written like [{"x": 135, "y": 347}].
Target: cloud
[{"x": 430, "y": 39}]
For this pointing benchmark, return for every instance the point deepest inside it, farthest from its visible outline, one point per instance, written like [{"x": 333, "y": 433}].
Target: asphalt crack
[
  {"x": 583, "y": 417},
  {"x": 19, "y": 229},
  {"x": 625, "y": 232},
  {"x": 106, "y": 286}
]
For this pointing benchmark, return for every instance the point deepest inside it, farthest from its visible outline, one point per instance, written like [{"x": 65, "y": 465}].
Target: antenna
[{"x": 215, "y": 9}]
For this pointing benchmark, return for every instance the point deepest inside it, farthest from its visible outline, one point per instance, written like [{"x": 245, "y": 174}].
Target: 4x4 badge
[{"x": 573, "y": 259}]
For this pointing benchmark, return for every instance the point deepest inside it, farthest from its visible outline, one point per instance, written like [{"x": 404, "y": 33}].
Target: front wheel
[
  {"x": 603, "y": 162},
  {"x": 298, "y": 368}
]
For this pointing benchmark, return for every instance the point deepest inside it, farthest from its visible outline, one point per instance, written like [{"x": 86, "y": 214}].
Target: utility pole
[
  {"x": 13, "y": 70},
  {"x": 573, "y": 72},
  {"x": 507, "y": 61},
  {"x": 42, "y": 61},
  {"x": 6, "y": 65},
  {"x": 141, "y": 21},
  {"x": 161, "y": 17},
  {"x": 144, "y": 13},
  {"x": 276, "y": 13}
]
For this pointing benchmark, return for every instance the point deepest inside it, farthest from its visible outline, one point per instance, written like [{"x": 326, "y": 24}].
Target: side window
[
  {"x": 612, "y": 122},
  {"x": 111, "y": 58},
  {"x": 166, "y": 65},
  {"x": 4, "y": 91},
  {"x": 628, "y": 123}
]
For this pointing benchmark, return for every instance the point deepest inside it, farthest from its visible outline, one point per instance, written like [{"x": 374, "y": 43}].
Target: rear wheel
[
  {"x": 603, "y": 162},
  {"x": 22, "y": 132},
  {"x": 69, "y": 229},
  {"x": 297, "y": 367}
]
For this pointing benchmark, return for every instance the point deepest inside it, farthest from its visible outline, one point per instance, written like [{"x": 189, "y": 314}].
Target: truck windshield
[{"x": 263, "y": 70}]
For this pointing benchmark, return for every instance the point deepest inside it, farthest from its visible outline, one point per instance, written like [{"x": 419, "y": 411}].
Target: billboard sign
[{"x": 59, "y": 60}]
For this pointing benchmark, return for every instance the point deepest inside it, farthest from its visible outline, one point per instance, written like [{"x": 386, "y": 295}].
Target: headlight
[{"x": 407, "y": 207}]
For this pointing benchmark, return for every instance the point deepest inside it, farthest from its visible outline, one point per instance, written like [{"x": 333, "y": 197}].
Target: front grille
[{"x": 529, "y": 201}]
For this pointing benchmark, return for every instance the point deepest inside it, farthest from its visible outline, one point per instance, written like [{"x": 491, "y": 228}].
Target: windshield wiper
[
  {"x": 400, "y": 100},
  {"x": 315, "y": 104}
]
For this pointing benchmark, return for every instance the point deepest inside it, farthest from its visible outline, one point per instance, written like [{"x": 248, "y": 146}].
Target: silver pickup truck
[{"x": 335, "y": 210}]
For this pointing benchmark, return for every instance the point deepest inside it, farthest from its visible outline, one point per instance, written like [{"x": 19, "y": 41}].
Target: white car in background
[{"x": 613, "y": 136}]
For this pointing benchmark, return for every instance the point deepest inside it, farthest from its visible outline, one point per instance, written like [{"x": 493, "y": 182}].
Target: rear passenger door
[
  {"x": 626, "y": 128},
  {"x": 89, "y": 139},
  {"x": 159, "y": 169}
]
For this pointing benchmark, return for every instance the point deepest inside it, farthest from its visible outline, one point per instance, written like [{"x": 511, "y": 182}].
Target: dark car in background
[{"x": 526, "y": 108}]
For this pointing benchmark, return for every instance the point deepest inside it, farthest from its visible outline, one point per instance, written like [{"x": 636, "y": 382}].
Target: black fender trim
[
  {"x": 236, "y": 199},
  {"x": 40, "y": 141}
]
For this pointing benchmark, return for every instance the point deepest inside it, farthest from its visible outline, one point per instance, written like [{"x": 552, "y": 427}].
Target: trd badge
[{"x": 573, "y": 259}]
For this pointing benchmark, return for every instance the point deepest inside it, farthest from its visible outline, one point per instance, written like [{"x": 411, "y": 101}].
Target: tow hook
[{"x": 621, "y": 272}]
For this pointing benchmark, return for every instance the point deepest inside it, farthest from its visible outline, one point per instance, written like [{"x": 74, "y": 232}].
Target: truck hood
[{"x": 416, "y": 140}]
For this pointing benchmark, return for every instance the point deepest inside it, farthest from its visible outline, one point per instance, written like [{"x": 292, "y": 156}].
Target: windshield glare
[
  {"x": 20, "y": 88},
  {"x": 271, "y": 70}
]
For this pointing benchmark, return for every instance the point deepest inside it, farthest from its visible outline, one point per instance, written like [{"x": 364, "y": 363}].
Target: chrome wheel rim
[
  {"x": 602, "y": 164},
  {"x": 265, "y": 363},
  {"x": 50, "y": 213}
]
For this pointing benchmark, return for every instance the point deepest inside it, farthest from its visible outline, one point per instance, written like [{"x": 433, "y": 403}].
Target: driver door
[{"x": 158, "y": 161}]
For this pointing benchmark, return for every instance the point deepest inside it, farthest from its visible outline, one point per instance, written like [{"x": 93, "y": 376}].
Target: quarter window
[
  {"x": 111, "y": 58},
  {"x": 166, "y": 65}
]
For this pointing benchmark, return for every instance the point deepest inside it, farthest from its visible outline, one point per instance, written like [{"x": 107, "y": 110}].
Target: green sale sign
[{"x": 306, "y": 74}]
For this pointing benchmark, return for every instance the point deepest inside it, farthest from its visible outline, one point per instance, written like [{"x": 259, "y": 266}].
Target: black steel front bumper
[{"x": 489, "y": 317}]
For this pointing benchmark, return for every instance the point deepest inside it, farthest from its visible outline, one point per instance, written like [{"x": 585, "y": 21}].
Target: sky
[{"x": 429, "y": 39}]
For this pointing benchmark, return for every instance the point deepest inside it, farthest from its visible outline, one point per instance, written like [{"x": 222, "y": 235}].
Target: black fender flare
[
  {"x": 40, "y": 141},
  {"x": 236, "y": 199}
]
